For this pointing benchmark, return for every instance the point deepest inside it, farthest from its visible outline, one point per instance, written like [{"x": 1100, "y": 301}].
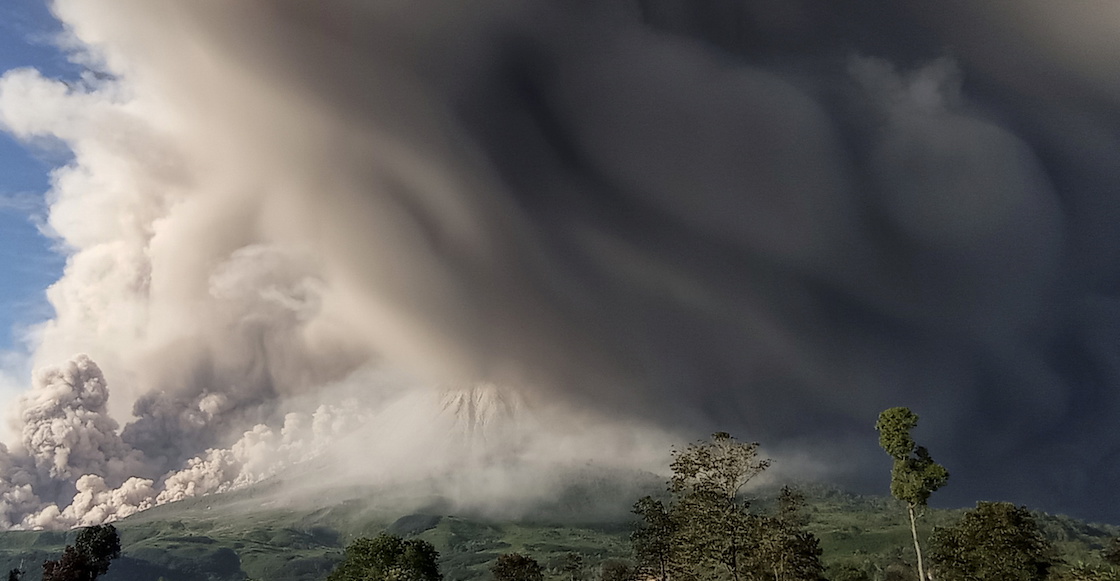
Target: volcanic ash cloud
[{"x": 773, "y": 220}]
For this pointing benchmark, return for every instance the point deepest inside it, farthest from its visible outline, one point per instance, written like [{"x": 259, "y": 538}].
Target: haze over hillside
[{"x": 414, "y": 239}]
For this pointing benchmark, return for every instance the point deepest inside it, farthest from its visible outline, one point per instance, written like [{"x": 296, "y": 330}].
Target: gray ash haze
[{"x": 295, "y": 227}]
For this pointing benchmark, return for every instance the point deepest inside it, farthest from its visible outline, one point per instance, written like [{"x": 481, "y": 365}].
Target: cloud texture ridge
[{"x": 291, "y": 225}]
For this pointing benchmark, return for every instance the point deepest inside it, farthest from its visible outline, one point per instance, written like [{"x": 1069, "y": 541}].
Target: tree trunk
[
  {"x": 917, "y": 547},
  {"x": 734, "y": 566}
]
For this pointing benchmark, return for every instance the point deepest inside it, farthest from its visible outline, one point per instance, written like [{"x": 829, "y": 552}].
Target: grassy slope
[{"x": 235, "y": 536}]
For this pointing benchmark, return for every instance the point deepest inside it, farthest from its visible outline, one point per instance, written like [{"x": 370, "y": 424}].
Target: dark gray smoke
[{"x": 773, "y": 217}]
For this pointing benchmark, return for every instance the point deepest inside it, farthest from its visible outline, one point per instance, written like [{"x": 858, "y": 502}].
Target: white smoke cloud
[
  {"x": 73, "y": 449},
  {"x": 17, "y": 494},
  {"x": 66, "y": 430},
  {"x": 95, "y": 503}
]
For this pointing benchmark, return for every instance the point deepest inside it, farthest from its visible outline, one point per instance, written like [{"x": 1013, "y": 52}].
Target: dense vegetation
[{"x": 187, "y": 542}]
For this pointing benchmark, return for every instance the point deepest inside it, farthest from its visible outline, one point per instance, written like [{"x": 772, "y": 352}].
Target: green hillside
[{"x": 256, "y": 534}]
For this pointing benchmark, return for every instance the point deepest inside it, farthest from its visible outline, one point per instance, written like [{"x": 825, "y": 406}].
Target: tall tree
[
  {"x": 708, "y": 531},
  {"x": 720, "y": 466},
  {"x": 717, "y": 537},
  {"x": 996, "y": 541},
  {"x": 517, "y": 567},
  {"x": 100, "y": 545},
  {"x": 88, "y": 558},
  {"x": 914, "y": 475},
  {"x": 715, "y": 527},
  {"x": 388, "y": 558},
  {"x": 793, "y": 553},
  {"x": 654, "y": 540}
]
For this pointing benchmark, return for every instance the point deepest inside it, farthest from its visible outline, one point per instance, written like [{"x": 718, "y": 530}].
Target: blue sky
[{"x": 27, "y": 262}]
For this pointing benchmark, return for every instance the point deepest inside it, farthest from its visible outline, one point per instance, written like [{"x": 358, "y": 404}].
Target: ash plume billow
[{"x": 613, "y": 225}]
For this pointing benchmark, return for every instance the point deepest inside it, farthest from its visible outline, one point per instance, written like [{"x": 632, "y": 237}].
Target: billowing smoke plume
[
  {"x": 66, "y": 430},
  {"x": 74, "y": 468},
  {"x": 611, "y": 221}
]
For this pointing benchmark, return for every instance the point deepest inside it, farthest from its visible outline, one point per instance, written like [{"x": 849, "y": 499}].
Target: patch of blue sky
[
  {"x": 28, "y": 38},
  {"x": 29, "y": 262}
]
